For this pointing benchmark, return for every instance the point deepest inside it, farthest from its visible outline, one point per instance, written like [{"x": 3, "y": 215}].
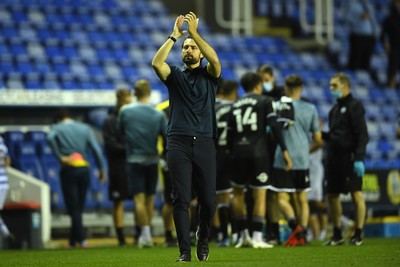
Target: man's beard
[{"x": 190, "y": 60}]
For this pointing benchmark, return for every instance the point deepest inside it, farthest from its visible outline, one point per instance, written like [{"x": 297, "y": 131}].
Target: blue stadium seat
[
  {"x": 95, "y": 70},
  {"x": 61, "y": 68},
  {"x": 70, "y": 52},
  {"x": 3, "y": 49},
  {"x": 11, "y": 139},
  {"x": 38, "y": 137},
  {"x": 105, "y": 85},
  {"x": 373, "y": 112},
  {"x": 10, "y": 33},
  {"x": 53, "y": 18},
  {"x": 372, "y": 150},
  {"x": 27, "y": 160},
  {"x": 53, "y": 51},
  {"x": 69, "y": 85},
  {"x": 129, "y": 205},
  {"x": 84, "y": 18},
  {"x": 88, "y": 85},
  {"x": 7, "y": 67},
  {"x": 99, "y": 191},
  {"x": 387, "y": 130},
  {"x": 52, "y": 177},
  {"x": 373, "y": 130},
  {"x": 25, "y": 68},
  {"x": 51, "y": 84},
  {"x": 18, "y": 49},
  {"x": 385, "y": 146},
  {"x": 19, "y": 16},
  {"x": 44, "y": 34}
]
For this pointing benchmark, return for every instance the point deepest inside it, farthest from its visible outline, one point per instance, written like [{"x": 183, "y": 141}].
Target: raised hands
[
  {"x": 192, "y": 22},
  {"x": 178, "y": 33}
]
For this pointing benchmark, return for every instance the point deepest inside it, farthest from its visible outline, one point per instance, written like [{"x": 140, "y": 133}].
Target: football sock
[{"x": 120, "y": 235}]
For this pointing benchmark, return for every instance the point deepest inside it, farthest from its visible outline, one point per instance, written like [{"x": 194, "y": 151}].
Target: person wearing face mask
[
  {"x": 270, "y": 89},
  {"x": 275, "y": 92},
  {"x": 347, "y": 140}
]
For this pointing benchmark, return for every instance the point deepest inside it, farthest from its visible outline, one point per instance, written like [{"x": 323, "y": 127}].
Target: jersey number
[
  {"x": 248, "y": 118},
  {"x": 223, "y": 126}
]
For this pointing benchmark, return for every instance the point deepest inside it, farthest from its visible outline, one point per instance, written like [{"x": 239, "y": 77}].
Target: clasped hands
[{"x": 192, "y": 21}]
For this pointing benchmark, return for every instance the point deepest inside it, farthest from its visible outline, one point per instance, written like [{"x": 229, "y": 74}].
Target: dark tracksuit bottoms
[
  {"x": 192, "y": 159},
  {"x": 74, "y": 186}
]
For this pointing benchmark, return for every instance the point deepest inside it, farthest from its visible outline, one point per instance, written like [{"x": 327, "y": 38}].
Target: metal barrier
[
  {"x": 324, "y": 21},
  {"x": 241, "y": 16}
]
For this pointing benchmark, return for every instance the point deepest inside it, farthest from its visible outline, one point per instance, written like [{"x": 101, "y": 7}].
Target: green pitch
[{"x": 374, "y": 252}]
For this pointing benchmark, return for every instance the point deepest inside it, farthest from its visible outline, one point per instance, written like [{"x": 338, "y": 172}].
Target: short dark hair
[
  {"x": 293, "y": 81},
  {"x": 226, "y": 87},
  {"x": 61, "y": 114},
  {"x": 187, "y": 37},
  {"x": 249, "y": 81},
  {"x": 343, "y": 78},
  {"x": 265, "y": 69}
]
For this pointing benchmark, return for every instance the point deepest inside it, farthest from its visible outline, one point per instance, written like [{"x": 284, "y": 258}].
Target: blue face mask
[
  {"x": 267, "y": 86},
  {"x": 336, "y": 93}
]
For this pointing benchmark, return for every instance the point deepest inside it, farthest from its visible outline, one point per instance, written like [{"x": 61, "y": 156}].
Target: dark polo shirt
[{"x": 192, "y": 102}]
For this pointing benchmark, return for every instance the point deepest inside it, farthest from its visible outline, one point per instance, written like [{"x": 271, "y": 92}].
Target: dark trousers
[
  {"x": 74, "y": 185},
  {"x": 361, "y": 49},
  {"x": 192, "y": 160}
]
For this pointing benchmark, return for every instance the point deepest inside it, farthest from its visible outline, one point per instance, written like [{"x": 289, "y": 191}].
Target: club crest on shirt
[
  {"x": 262, "y": 177},
  {"x": 343, "y": 110}
]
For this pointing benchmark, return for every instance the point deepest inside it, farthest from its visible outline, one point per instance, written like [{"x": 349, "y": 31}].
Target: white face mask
[{"x": 267, "y": 86}]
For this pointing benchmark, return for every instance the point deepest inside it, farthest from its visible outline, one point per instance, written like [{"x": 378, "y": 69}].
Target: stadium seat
[
  {"x": 388, "y": 130},
  {"x": 27, "y": 161},
  {"x": 57, "y": 199},
  {"x": 11, "y": 139},
  {"x": 38, "y": 137}
]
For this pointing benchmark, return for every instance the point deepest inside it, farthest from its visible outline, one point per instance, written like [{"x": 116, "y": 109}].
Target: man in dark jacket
[
  {"x": 347, "y": 140},
  {"x": 116, "y": 157}
]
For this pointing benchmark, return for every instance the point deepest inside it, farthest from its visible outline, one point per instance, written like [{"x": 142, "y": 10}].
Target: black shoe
[
  {"x": 334, "y": 241},
  {"x": 184, "y": 257},
  {"x": 202, "y": 249},
  {"x": 356, "y": 241}
]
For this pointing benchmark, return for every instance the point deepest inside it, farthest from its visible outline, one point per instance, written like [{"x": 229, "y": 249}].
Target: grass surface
[{"x": 374, "y": 252}]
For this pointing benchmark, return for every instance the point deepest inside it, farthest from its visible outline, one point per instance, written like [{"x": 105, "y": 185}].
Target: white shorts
[{"x": 3, "y": 195}]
